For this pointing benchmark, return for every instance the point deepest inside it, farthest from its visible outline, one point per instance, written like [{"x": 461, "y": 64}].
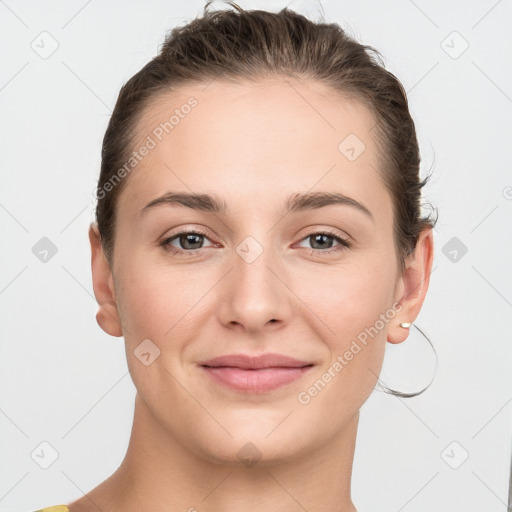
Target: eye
[
  {"x": 321, "y": 240},
  {"x": 190, "y": 241}
]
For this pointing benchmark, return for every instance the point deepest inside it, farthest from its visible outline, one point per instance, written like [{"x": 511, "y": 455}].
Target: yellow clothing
[
  {"x": 63, "y": 508},
  {"x": 55, "y": 508}
]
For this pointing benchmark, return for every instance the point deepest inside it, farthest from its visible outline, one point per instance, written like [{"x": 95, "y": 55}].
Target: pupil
[
  {"x": 190, "y": 239},
  {"x": 321, "y": 237}
]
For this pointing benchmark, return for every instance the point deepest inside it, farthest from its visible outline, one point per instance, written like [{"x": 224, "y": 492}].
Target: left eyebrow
[
  {"x": 314, "y": 200},
  {"x": 295, "y": 203}
]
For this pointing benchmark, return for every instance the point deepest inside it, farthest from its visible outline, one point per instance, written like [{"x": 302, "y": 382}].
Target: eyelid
[{"x": 328, "y": 230}]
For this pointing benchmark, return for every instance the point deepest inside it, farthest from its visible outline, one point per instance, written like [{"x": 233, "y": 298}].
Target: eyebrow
[{"x": 295, "y": 203}]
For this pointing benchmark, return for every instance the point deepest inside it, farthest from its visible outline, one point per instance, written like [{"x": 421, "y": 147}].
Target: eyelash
[{"x": 165, "y": 243}]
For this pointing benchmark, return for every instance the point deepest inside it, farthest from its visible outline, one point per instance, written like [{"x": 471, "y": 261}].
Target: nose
[{"x": 255, "y": 295}]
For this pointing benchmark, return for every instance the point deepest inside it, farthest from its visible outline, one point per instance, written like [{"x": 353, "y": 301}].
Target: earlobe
[
  {"x": 103, "y": 285},
  {"x": 414, "y": 285}
]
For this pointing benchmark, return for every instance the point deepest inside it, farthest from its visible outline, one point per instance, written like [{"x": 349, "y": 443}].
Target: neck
[{"x": 160, "y": 474}]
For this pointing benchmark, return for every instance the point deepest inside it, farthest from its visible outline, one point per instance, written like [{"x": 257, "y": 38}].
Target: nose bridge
[{"x": 253, "y": 263}]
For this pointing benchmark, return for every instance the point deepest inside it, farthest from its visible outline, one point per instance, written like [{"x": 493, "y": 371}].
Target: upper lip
[{"x": 248, "y": 362}]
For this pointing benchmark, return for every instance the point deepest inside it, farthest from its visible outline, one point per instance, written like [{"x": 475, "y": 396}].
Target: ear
[
  {"x": 413, "y": 285},
  {"x": 103, "y": 284}
]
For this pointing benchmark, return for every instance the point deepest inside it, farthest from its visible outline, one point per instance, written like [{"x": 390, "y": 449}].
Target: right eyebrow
[{"x": 203, "y": 202}]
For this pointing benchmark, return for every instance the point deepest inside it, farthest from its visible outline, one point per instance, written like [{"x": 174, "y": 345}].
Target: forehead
[{"x": 256, "y": 142}]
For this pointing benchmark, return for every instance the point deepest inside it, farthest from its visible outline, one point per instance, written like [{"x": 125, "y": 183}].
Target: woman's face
[{"x": 262, "y": 279}]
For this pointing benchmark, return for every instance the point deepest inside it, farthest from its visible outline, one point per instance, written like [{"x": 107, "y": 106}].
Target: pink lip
[
  {"x": 255, "y": 374},
  {"x": 248, "y": 362}
]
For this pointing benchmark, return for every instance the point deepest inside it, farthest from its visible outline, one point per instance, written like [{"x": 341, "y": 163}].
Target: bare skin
[{"x": 252, "y": 145}]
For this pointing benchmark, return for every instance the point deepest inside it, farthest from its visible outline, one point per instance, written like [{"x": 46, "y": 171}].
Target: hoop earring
[{"x": 407, "y": 325}]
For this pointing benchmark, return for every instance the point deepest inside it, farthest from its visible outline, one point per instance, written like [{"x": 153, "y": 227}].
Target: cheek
[
  {"x": 355, "y": 302},
  {"x": 160, "y": 302},
  {"x": 351, "y": 297},
  {"x": 355, "y": 340}
]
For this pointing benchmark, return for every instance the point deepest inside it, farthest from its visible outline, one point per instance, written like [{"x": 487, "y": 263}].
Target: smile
[{"x": 255, "y": 380}]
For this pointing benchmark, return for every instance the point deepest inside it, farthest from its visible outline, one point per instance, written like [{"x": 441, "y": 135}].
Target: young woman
[{"x": 259, "y": 239}]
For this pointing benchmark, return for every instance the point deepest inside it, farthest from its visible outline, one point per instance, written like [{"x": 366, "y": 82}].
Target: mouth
[
  {"x": 255, "y": 380},
  {"x": 255, "y": 362}
]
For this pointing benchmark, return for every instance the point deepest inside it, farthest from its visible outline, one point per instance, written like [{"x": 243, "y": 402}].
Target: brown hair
[{"x": 242, "y": 45}]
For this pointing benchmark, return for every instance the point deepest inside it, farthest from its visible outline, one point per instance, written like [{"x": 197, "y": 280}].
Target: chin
[
  {"x": 246, "y": 453},
  {"x": 256, "y": 444}
]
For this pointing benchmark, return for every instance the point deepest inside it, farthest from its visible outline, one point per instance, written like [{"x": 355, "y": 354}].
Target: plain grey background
[{"x": 65, "y": 383}]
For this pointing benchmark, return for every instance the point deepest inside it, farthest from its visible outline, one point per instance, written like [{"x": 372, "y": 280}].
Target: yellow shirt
[
  {"x": 55, "y": 508},
  {"x": 63, "y": 508}
]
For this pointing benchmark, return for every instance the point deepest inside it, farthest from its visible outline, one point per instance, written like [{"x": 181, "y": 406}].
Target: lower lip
[{"x": 255, "y": 381}]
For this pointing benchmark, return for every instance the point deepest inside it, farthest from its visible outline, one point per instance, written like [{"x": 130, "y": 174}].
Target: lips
[
  {"x": 248, "y": 362},
  {"x": 255, "y": 374}
]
